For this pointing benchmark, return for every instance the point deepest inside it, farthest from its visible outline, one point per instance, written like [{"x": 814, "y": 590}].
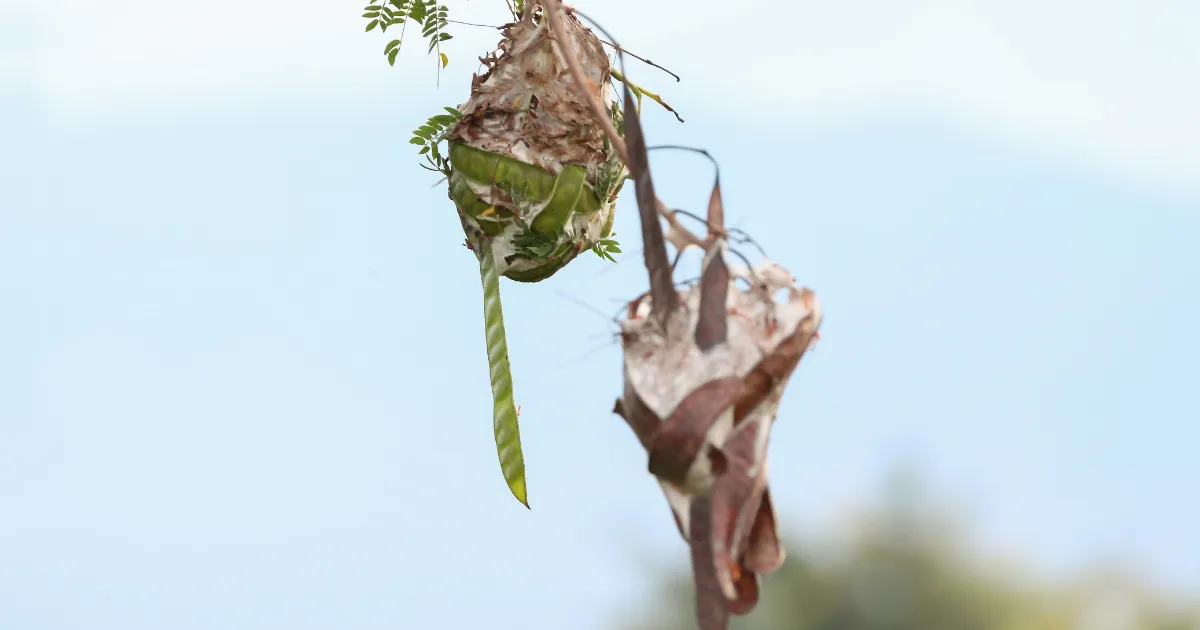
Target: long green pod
[{"x": 504, "y": 410}]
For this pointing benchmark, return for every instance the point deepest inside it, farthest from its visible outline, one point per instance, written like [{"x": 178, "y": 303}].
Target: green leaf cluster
[
  {"x": 612, "y": 174},
  {"x": 605, "y": 248},
  {"x": 537, "y": 246},
  {"x": 533, "y": 244},
  {"x": 431, "y": 17},
  {"x": 429, "y": 135}
]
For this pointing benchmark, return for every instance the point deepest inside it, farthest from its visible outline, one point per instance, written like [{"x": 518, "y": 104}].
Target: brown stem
[
  {"x": 677, "y": 234},
  {"x": 553, "y": 16}
]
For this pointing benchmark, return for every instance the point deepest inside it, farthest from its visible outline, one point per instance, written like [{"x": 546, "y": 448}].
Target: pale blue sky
[{"x": 242, "y": 379}]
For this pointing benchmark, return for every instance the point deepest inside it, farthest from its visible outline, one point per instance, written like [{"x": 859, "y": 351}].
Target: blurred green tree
[{"x": 905, "y": 566}]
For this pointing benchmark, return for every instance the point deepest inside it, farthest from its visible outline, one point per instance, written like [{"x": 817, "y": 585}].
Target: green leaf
[
  {"x": 371, "y": 14},
  {"x": 445, "y": 59},
  {"x": 392, "y": 45},
  {"x": 372, "y": 25},
  {"x": 392, "y": 56},
  {"x": 453, "y": 112},
  {"x": 417, "y": 140}
]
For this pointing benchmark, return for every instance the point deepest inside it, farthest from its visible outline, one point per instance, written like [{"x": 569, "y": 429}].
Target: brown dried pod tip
[{"x": 705, "y": 367}]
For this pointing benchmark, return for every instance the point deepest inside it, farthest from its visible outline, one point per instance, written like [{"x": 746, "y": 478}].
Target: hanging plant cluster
[
  {"x": 705, "y": 367},
  {"x": 534, "y": 179},
  {"x": 533, "y": 163}
]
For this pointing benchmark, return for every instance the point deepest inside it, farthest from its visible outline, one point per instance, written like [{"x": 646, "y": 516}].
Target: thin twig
[
  {"x": 641, "y": 59},
  {"x": 587, "y": 307},
  {"x": 590, "y": 352},
  {"x": 684, "y": 236},
  {"x": 498, "y": 28},
  {"x": 698, "y": 219},
  {"x": 641, "y": 90},
  {"x": 680, "y": 147},
  {"x": 737, "y": 235}
]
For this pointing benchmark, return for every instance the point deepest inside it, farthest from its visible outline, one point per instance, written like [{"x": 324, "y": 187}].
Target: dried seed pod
[
  {"x": 704, "y": 371},
  {"x": 707, "y": 392},
  {"x": 704, "y": 415}
]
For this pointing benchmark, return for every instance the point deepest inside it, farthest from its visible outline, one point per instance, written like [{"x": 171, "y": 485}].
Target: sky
[{"x": 242, "y": 375}]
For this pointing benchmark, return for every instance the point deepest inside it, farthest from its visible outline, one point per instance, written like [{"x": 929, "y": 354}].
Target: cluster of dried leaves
[{"x": 705, "y": 367}]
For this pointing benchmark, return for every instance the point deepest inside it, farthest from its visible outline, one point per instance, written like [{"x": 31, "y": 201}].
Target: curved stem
[{"x": 640, "y": 91}]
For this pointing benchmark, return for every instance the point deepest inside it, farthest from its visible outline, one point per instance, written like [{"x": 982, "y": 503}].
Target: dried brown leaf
[
  {"x": 711, "y": 608},
  {"x": 716, "y": 213},
  {"x": 638, "y": 415},
  {"x": 683, "y": 435},
  {"x": 662, "y": 291},
  {"x": 773, "y": 369},
  {"x": 735, "y": 497},
  {"x": 746, "y": 589},
  {"x": 713, "y": 321},
  {"x": 764, "y": 551}
]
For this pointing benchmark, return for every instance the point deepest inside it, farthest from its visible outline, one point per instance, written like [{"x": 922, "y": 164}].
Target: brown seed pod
[
  {"x": 704, "y": 371},
  {"x": 704, "y": 417}
]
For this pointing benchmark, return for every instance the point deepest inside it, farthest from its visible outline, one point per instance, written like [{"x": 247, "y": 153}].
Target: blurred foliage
[{"x": 904, "y": 566}]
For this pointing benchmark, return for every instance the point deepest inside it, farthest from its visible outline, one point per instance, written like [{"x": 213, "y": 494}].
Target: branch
[
  {"x": 679, "y": 236},
  {"x": 553, "y": 16}
]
